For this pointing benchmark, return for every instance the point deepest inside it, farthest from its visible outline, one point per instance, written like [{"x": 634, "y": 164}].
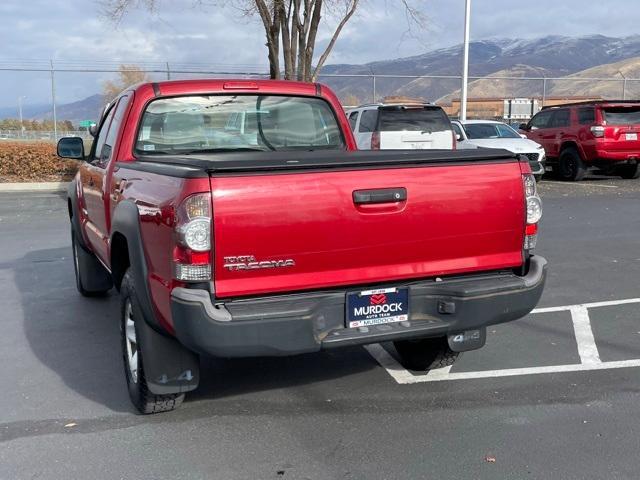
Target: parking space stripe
[
  {"x": 589, "y": 355},
  {"x": 393, "y": 368},
  {"x": 608, "y": 303},
  {"x": 584, "y": 335}
]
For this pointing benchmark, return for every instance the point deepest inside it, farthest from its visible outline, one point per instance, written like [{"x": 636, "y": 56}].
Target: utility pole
[
  {"x": 20, "y": 98},
  {"x": 53, "y": 101},
  {"x": 465, "y": 62}
]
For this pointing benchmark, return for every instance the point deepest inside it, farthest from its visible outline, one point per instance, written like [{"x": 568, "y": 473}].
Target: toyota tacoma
[{"x": 236, "y": 218}]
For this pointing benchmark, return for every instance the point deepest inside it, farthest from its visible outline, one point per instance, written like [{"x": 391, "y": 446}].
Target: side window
[
  {"x": 353, "y": 119},
  {"x": 368, "y": 120},
  {"x": 560, "y": 118},
  {"x": 586, "y": 116},
  {"x": 110, "y": 141},
  {"x": 100, "y": 140},
  {"x": 541, "y": 120}
]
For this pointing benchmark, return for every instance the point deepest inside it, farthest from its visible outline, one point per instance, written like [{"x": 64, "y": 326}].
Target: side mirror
[
  {"x": 458, "y": 137},
  {"x": 524, "y": 136},
  {"x": 71, "y": 147},
  {"x": 93, "y": 130}
]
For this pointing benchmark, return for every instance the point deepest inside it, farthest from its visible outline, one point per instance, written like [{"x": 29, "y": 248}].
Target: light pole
[
  {"x": 465, "y": 62},
  {"x": 20, "y": 98}
]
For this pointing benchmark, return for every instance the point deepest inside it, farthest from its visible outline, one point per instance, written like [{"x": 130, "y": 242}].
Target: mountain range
[
  {"x": 551, "y": 56},
  {"x": 572, "y": 58}
]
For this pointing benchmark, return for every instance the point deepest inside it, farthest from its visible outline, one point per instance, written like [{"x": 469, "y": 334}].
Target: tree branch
[{"x": 334, "y": 38}]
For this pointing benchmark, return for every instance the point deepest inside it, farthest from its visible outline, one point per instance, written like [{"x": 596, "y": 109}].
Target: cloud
[{"x": 74, "y": 32}]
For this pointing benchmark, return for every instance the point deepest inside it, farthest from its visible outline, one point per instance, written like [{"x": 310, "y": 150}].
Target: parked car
[
  {"x": 292, "y": 242},
  {"x": 412, "y": 126},
  {"x": 601, "y": 136},
  {"x": 492, "y": 134}
]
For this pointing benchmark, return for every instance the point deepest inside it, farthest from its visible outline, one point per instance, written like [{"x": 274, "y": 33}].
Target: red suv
[{"x": 601, "y": 135}]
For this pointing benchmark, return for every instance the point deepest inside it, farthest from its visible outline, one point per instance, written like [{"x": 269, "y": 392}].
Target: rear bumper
[
  {"x": 309, "y": 322},
  {"x": 631, "y": 156}
]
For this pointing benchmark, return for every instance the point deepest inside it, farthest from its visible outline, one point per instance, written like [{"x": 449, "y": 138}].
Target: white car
[
  {"x": 401, "y": 126},
  {"x": 492, "y": 134}
]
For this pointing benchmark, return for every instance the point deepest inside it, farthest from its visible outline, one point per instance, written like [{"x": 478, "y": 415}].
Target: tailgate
[
  {"x": 287, "y": 232},
  {"x": 622, "y": 128}
]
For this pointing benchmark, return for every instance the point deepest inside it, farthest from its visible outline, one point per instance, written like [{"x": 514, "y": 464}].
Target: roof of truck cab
[{"x": 228, "y": 85}]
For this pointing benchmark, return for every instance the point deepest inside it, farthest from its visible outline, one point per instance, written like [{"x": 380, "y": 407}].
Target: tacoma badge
[{"x": 249, "y": 262}]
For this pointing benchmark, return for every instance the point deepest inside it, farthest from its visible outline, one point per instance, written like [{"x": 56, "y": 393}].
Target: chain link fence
[{"x": 77, "y": 80}]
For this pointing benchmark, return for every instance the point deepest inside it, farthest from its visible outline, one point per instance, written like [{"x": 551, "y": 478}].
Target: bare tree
[
  {"x": 127, "y": 75},
  {"x": 291, "y": 27}
]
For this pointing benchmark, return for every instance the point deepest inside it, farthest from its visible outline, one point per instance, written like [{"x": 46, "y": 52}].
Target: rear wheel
[
  {"x": 571, "y": 166},
  {"x": 133, "y": 356},
  {"x": 630, "y": 172},
  {"x": 425, "y": 353}
]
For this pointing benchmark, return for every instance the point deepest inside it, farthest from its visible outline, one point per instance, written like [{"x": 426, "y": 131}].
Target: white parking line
[
  {"x": 589, "y": 356},
  {"x": 584, "y": 336}
]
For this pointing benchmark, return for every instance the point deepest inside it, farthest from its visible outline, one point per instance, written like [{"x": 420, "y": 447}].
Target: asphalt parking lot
[{"x": 554, "y": 395}]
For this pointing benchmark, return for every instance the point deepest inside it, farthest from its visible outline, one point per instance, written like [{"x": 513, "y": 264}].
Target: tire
[
  {"x": 133, "y": 355},
  {"x": 426, "y": 353},
  {"x": 571, "y": 167},
  {"x": 630, "y": 172},
  {"x": 92, "y": 280}
]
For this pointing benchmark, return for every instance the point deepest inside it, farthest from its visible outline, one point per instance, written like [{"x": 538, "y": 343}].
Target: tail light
[
  {"x": 534, "y": 211},
  {"x": 192, "y": 252},
  {"x": 375, "y": 141},
  {"x": 598, "y": 131}
]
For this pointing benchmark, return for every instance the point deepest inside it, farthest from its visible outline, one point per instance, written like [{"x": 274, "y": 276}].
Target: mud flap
[
  {"x": 95, "y": 277},
  {"x": 468, "y": 340},
  {"x": 169, "y": 367}
]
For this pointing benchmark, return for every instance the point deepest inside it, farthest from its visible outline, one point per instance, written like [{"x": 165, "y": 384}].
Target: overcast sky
[{"x": 74, "y": 30}]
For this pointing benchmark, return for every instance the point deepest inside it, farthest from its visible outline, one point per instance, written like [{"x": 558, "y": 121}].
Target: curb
[{"x": 34, "y": 187}]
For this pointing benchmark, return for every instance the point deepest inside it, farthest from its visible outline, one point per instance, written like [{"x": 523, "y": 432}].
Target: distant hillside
[
  {"x": 28, "y": 111},
  {"x": 86, "y": 109},
  {"x": 629, "y": 68},
  {"x": 553, "y": 56}
]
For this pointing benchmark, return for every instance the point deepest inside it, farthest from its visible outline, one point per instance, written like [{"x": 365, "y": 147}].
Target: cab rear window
[
  {"x": 212, "y": 123},
  {"x": 413, "y": 119},
  {"x": 621, "y": 115}
]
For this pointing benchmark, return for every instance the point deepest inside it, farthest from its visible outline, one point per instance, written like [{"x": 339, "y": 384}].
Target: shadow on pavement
[{"x": 78, "y": 339}]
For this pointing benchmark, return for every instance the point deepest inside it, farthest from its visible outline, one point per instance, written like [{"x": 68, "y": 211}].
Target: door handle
[{"x": 380, "y": 195}]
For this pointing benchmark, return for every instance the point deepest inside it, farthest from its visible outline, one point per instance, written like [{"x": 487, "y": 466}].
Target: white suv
[{"x": 390, "y": 126}]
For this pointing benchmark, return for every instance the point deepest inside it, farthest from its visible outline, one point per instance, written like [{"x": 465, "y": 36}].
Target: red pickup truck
[{"x": 236, "y": 219}]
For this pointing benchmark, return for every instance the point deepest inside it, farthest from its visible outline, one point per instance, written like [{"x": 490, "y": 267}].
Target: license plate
[
  {"x": 375, "y": 307},
  {"x": 631, "y": 136}
]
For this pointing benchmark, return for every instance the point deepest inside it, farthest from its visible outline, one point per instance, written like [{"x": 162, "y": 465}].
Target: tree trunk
[{"x": 311, "y": 38}]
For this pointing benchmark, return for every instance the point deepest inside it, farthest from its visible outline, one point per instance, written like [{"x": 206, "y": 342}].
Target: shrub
[{"x": 32, "y": 162}]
